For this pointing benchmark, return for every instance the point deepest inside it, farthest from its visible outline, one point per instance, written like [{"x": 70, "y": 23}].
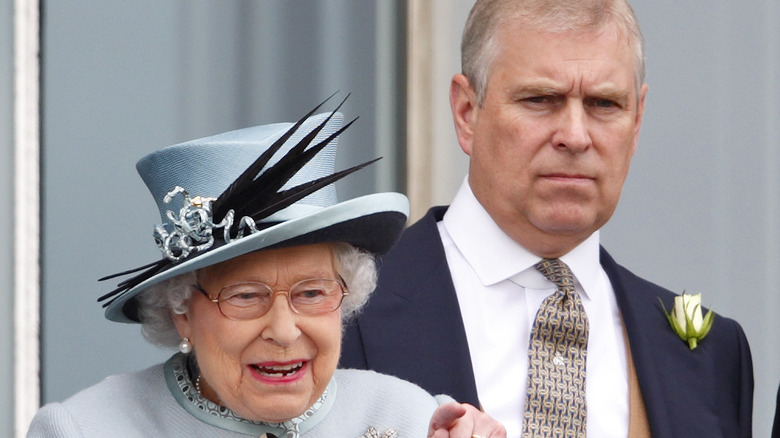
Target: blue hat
[{"x": 256, "y": 188}]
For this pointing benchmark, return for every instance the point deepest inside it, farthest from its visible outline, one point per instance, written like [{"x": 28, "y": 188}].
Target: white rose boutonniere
[{"x": 686, "y": 319}]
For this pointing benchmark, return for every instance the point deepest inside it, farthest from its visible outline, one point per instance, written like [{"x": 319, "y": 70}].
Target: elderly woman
[{"x": 261, "y": 267}]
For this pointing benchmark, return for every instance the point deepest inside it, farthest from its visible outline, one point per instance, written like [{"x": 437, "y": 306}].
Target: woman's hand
[{"x": 453, "y": 420}]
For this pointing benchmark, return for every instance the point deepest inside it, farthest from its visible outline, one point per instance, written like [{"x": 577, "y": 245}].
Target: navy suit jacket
[{"x": 412, "y": 328}]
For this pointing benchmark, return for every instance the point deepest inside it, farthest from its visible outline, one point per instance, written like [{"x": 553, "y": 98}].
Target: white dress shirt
[{"x": 500, "y": 291}]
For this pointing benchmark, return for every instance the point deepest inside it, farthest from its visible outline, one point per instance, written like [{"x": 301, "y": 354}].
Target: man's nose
[{"x": 572, "y": 131}]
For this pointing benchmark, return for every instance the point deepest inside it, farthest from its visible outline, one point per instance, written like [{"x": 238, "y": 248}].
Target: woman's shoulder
[
  {"x": 95, "y": 407},
  {"x": 118, "y": 387}
]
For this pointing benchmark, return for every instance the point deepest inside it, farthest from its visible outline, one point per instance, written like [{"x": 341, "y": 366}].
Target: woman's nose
[{"x": 280, "y": 322}]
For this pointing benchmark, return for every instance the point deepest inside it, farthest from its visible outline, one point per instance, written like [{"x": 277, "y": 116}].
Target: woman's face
[{"x": 274, "y": 367}]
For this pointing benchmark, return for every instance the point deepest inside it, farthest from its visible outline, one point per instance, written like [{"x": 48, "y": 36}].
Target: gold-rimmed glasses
[{"x": 251, "y": 300}]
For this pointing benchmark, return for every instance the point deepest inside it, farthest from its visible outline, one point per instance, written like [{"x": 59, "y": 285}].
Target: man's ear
[
  {"x": 640, "y": 112},
  {"x": 464, "y": 106}
]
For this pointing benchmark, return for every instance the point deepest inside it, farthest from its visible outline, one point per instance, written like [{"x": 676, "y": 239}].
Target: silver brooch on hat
[{"x": 193, "y": 228}]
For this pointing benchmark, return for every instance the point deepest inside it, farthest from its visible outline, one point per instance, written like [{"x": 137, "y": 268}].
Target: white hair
[{"x": 159, "y": 302}]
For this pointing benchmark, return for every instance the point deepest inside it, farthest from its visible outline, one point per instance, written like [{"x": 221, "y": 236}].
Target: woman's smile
[{"x": 279, "y": 373}]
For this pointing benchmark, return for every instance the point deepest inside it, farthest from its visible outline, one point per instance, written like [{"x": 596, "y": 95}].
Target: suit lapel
[{"x": 673, "y": 379}]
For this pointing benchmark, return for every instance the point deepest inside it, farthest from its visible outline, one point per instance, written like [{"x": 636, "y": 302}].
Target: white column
[
  {"x": 26, "y": 212},
  {"x": 435, "y": 164}
]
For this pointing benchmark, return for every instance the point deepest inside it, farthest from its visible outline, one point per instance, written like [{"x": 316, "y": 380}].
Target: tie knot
[{"x": 556, "y": 271}]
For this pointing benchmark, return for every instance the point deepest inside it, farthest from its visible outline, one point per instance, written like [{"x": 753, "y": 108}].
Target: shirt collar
[
  {"x": 495, "y": 257},
  {"x": 584, "y": 262}
]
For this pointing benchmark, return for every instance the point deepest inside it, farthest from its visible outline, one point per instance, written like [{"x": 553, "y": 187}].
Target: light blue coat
[{"x": 147, "y": 404}]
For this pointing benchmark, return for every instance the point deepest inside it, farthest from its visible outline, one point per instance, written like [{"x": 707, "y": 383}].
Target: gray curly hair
[{"x": 156, "y": 304}]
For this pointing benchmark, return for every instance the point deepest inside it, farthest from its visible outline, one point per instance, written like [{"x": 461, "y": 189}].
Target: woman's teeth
[{"x": 279, "y": 370}]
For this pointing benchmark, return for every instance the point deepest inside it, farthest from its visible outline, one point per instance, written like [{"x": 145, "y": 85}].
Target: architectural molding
[
  {"x": 419, "y": 119},
  {"x": 26, "y": 213}
]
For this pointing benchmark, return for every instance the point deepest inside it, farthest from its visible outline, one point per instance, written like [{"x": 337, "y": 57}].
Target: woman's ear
[
  {"x": 181, "y": 314},
  {"x": 182, "y": 323}
]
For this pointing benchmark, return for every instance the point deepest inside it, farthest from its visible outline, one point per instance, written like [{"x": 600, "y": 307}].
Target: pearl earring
[{"x": 185, "y": 346}]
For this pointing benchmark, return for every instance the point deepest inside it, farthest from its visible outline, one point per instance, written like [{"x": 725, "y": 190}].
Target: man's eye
[
  {"x": 538, "y": 99},
  {"x": 603, "y": 103}
]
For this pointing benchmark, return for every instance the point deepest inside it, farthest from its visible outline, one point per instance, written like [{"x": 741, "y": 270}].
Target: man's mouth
[
  {"x": 562, "y": 176},
  {"x": 278, "y": 370}
]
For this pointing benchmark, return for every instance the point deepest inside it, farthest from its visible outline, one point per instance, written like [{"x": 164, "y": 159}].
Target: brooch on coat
[{"x": 373, "y": 433}]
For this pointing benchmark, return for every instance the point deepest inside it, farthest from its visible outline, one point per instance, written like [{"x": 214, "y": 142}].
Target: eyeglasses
[{"x": 251, "y": 300}]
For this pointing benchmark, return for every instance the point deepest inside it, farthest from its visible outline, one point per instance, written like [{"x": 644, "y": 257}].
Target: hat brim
[{"x": 372, "y": 222}]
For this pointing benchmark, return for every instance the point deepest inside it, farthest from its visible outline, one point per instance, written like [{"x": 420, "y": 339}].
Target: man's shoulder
[
  {"x": 425, "y": 226},
  {"x": 622, "y": 278},
  {"x": 647, "y": 296},
  {"x": 419, "y": 246}
]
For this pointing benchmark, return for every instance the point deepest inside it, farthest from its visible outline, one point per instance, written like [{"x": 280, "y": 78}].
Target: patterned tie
[{"x": 555, "y": 401}]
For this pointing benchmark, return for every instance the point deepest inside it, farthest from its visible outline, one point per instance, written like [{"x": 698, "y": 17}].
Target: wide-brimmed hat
[{"x": 257, "y": 188}]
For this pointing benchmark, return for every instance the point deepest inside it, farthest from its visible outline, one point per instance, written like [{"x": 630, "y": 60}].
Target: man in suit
[{"x": 548, "y": 108}]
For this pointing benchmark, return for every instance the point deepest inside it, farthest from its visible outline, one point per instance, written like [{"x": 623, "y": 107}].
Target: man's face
[{"x": 551, "y": 144}]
